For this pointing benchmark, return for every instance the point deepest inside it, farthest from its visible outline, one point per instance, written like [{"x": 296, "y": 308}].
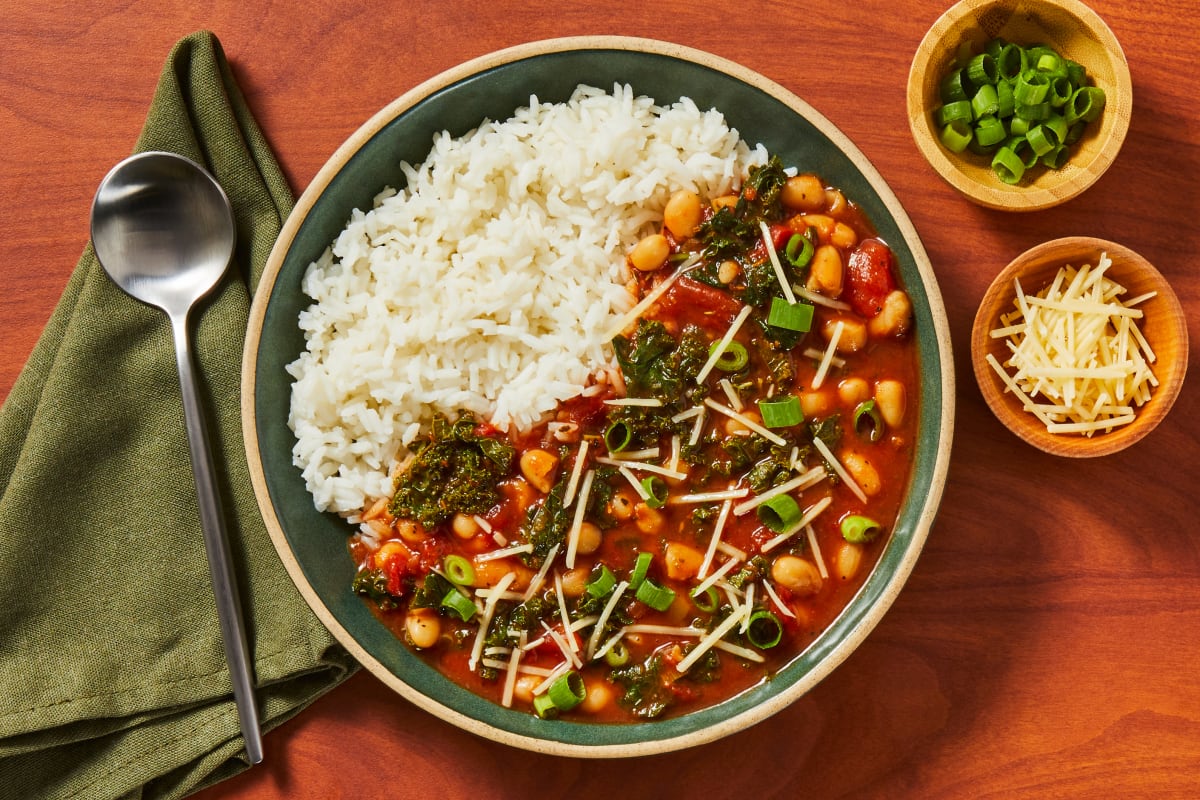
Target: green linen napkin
[{"x": 113, "y": 680}]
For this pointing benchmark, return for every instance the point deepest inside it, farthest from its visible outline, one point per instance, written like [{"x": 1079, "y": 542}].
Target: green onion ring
[
  {"x": 601, "y": 582},
  {"x": 790, "y": 316},
  {"x": 459, "y": 570},
  {"x": 868, "y": 422},
  {"x": 707, "y": 601},
  {"x": 779, "y": 513},
  {"x": 617, "y": 655},
  {"x": 641, "y": 568},
  {"x": 618, "y": 436},
  {"x": 454, "y": 600},
  {"x": 764, "y": 630},
  {"x": 858, "y": 529},
  {"x": 733, "y": 358},
  {"x": 799, "y": 249},
  {"x": 1008, "y": 166},
  {"x": 956, "y": 136},
  {"x": 657, "y": 597},
  {"x": 656, "y": 491},
  {"x": 563, "y": 695}
]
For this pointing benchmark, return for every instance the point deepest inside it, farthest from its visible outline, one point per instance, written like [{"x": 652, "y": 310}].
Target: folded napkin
[{"x": 113, "y": 680}]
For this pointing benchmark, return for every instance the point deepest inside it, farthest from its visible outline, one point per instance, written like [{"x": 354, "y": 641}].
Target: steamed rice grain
[{"x": 488, "y": 282}]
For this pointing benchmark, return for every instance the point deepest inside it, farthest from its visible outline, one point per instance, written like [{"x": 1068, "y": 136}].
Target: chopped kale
[
  {"x": 645, "y": 694},
  {"x": 654, "y": 363},
  {"x": 372, "y": 584},
  {"x": 430, "y": 593},
  {"x": 602, "y": 493},
  {"x": 546, "y": 524},
  {"x": 456, "y": 469}
]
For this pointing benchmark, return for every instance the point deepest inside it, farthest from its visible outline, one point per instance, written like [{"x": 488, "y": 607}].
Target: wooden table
[{"x": 1047, "y": 643}]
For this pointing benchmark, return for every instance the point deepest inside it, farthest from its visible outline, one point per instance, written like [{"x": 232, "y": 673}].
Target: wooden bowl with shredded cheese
[{"x": 1080, "y": 347}]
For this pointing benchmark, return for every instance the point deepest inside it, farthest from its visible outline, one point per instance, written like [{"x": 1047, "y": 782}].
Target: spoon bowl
[{"x": 163, "y": 230}]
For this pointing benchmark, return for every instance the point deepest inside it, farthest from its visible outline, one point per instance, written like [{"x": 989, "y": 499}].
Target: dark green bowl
[{"x": 313, "y": 545}]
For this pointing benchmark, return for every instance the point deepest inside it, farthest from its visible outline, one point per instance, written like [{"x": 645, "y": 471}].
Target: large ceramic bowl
[{"x": 314, "y": 545}]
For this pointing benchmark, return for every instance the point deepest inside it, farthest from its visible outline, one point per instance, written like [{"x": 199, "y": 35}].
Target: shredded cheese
[
  {"x": 810, "y": 478},
  {"x": 576, "y": 471},
  {"x": 706, "y": 644},
  {"x": 1076, "y": 357},
  {"x": 577, "y": 522},
  {"x": 713, "y": 543},
  {"x": 816, "y": 551},
  {"x": 647, "y": 402},
  {"x": 827, "y": 358},
  {"x": 749, "y": 423},
  {"x": 810, "y": 514},
  {"x": 828, "y": 455},
  {"x": 778, "y": 267}
]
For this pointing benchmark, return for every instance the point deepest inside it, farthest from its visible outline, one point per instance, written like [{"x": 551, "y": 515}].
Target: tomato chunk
[{"x": 870, "y": 276}]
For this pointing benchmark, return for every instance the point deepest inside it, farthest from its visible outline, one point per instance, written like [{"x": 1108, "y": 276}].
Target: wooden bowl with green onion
[
  {"x": 1153, "y": 308},
  {"x": 1050, "y": 159}
]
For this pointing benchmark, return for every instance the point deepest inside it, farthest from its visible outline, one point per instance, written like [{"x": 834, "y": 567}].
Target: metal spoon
[{"x": 163, "y": 230}]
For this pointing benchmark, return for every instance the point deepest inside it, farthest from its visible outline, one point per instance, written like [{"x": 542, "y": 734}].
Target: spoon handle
[{"x": 216, "y": 543}]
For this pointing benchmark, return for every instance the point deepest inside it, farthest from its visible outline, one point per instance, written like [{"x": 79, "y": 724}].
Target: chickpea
[
  {"x": 843, "y": 236},
  {"x": 892, "y": 400},
  {"x": 598, "y": 695},
  {"x": 847, "y": 560},
  {"x": 735, "y": 427},
  {"x": 382, "y": 529},
  {"x": 464, "y": 526},
  {"x": 825, "y": 271},
  {"x": 411, "y": 531},
  {"x": 895, "y": 318},
  {"x": 490, "y": 572},
  {"x": 683, "y": 561},
  {"x": 682, "y": 214},
  {"x": 816, "y": 403},
  {"x": 620, "y": 507},
  {"x": 650, "y": 253},
  {"x": 728, "y": 271},
  {"x": 724, "y": 201},
  {"x": 537, "y": 466},
  {"x": 824, "y": 225},
  {"x": 835, "y": 201},
  {"x": 852, "y": 391},
  {"x": 803, "y": 193},
  {"x": 518, "y": 492},
  {"x": 388, "y": 551},
  {"x": 798, "y": 575},
  {"x": 523, "y": 687},
  {"x": 647, "y": 519},
  {"x": 574, "y": 581},
  {"x": 863, "y": 472},
  {"x": 423, "y": 627},
  {"x": 589, "y": 538},
  {"x": 854, "y": 333}
]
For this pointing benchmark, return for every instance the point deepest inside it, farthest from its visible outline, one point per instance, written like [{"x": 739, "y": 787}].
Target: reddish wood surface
[{"x": 1047, "y": 643}]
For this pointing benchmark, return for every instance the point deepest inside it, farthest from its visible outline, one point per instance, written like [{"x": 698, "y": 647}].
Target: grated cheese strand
[{"x": 722, "y": 344}]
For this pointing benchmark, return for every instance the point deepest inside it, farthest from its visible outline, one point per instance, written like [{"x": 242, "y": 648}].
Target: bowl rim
[
  {"x": 1003, "y": 403},
  {"x": 939, "y": 447},
  {"x": 999, "y": 196}
]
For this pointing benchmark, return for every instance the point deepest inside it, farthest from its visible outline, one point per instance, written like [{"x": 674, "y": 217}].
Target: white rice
[{"x": 488, "y": 282}]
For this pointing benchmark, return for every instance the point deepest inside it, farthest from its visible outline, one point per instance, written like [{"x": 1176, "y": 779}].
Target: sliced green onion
[
  {"x": 859, "y": 529},
  {"x": 601, "y": 582},
  {"x": 1031, "y": 88},
  {"x": 981, "y": 70},
  {"x": 1008, "y": 166},
  {"x": 779, "y": 513},
  {"x": 1050, "y": 62},
  {"x": 956, "y": 136},
  {"x": 707, "y": 601},
  {"x": 958, "y": 110},
  {"x": 1076, "y": 72},
  {"x": 764, "y": 630},
  {"x": 454, "y": 600},
  {"x": 954, "y": 86},
  {"x": 617, "y": 655},
  {"x": 985, "y": 101},
  {"x": 1061, "y": 90},
  {"x": 1034, "y": 112},
  {"x": 1056, "y": 157},
  {"x": 799, "y": 249},
  {"x": 1086, "y": 104},
  {"x": 618, "y": 436},
  {"x": 1041, "y": 139},
  {"x": 790, "y": 316},
  {"x": 989, "y": 131},
  {"x": 657, "y": 597},
  {"x": 868, "y": 422},
  {"x": 1018, "y": 126},
  {"x": 459, "y": 570},
  {"x": 781, "y": 413},
  {"x": 656, "y": 491},
  {"x": 563, "y": 695},
  {"x": 732, "y": 358},
  {"x": 641, "y": 568},
  {"x": 1010, "y": 62},
  {"x": 1005, "y": 101}
]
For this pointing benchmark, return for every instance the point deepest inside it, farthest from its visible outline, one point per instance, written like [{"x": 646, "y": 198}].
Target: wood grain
[{"x": 1046, "y": 644}]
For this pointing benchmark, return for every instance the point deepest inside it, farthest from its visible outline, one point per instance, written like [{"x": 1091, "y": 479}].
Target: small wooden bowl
[
  {"x": 1163, "y": 326},
  {"x": 1077, "y": 33}
]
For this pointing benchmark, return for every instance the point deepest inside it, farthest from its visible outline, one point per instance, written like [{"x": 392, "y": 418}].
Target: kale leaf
[{"x": 456, "y": 469}]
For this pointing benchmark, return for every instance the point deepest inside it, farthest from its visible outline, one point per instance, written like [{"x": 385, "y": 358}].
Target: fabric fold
[{"x": 112, "y": 675}]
